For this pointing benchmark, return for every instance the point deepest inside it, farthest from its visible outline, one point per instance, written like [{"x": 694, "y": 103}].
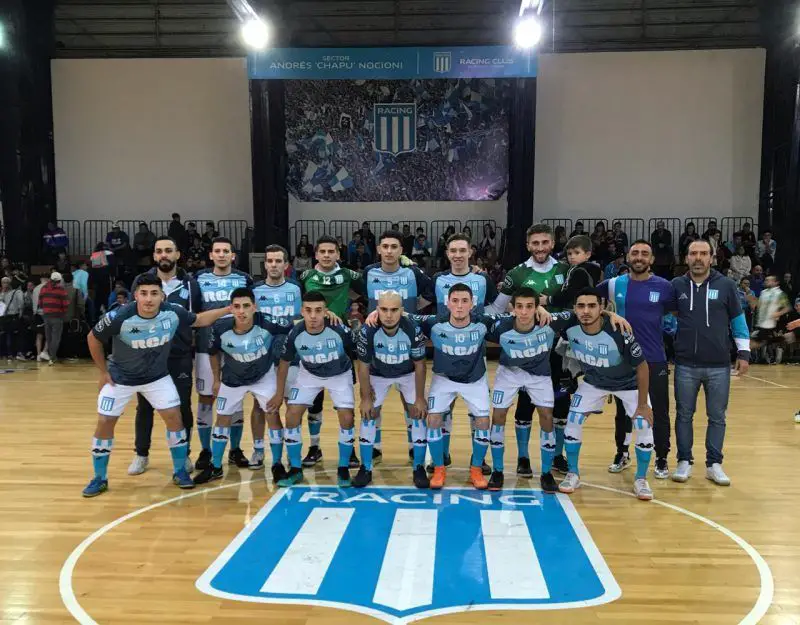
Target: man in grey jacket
[{"x": 11, "y": 302}]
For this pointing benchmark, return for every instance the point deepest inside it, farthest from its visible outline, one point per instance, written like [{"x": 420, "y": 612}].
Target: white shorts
[
  {"x": 405, "y": 384},
  {"x": 291, "y": 380},
  {"x": 231, "y": 398},
  {"x": 203, "y": 376},
  {"x": 443, "y": 393},
  {"x": 307, "y": 386},
  {"x": 161, "y": 394},
  {"x": 589, "y": 399},
  {"x": 510, "y": 380}
]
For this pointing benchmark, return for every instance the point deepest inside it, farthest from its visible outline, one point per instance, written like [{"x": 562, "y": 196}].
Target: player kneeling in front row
[
  {"x": 245, "y": 339},
  {"x": 613, "y": 364},
  {"x": 391, "y": 354},
  {"x": 324, "y": 351},
  {"x": 141, "y": 333}
]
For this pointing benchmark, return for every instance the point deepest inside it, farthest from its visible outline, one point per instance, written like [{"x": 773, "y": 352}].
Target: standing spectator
[
  {"x": 55, "y": 240},
  {"x": 38, "y": 320},
  {"x": 53, "y": 300},
  {"x": 757, "y": 280},
  {"x": 620, "y": 237},
  {"x": 664, "y": 253},
  {"x": 246, "y": 248},
  {"x": 408, "y": 241},
  {"x": 708, "y": 310},
  {"x": 208, "y": 236},
  {"x": 489, "y": 240},
  {"x": 369, "y": 239},
  {"x": 741, "y": 265},
  {"x": 76, "y": 307},
  {"x": 467, "y": 232},
  {"x": 560, "y": 241},
  {"x": 361, "y": 258},
  {"x": 421, "y": 249},
  {"x": 787, "y": 284},
  {"x": 441, "y": 245},
  {"x": 352, "y": 247},
  {"x": 102, "y": 262},
  {"x": 120, "y": 243},
  {"x": 73, "y": 320},
  {"x": 578, "y": 229},
  {"x": 144, "y": 242},
  {"x": 749, "y": 240},
  {"x": 712, "y": 228},
  {"x": 689, "y": 235},
  {"x": 25, "y": 342},
  {"x": 747, "y": 300},
  {"x": 721, "y": 254},
  {"x": 178, "y": 232},
  {"x": 11, "y": 307},
  {"x": 80, "y": 278},
  {"x": 302, "y": 262},
  {"x": 766, "y": 249},
  {"x": 62, "y": 263},
  {"x": 192, "y": 235}
]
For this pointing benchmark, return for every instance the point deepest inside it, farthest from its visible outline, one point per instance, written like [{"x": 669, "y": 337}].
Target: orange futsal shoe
[
  {"x": 438, "y": 477},
  {"x": 477, "y": 479}
]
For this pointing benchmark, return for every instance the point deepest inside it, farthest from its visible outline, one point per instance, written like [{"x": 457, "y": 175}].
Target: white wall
[
  {"x": 145, "y": 137},
  {"x": 649, "y": 134}
]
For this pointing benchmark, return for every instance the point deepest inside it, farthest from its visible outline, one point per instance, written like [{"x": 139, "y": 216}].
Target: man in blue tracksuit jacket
[{"x": 708, "y": 310}]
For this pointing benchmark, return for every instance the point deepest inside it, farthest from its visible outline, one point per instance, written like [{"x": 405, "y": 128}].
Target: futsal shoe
[
  {"x": 208, "y": 474},
  {"x": 363, "y": 478},
  {"x": 570, "y": 483},
  {"x": 354, "y": 462},
  {"x": 377, "y": 456},
  {"x": 622, "y": 460},
  {"x": 237, "y": 457},
  {"x": 560, "y": 464},
  {"x": 421, "y": 477},
  {"x": 447, "y": 462},
  {"x": 183, "y": 480},
  {"x": 524, "y": 467},
  {"x": 682, "y": 472},
  {"x": 278, "y": 472},
  {"x": 343, "y": 477},
  {"x": 717, "y": 475},
  {"x": 496, "y": 480},
  {"x": 548, "y": 483},
  {"x": 256, "y": 461},
  {"x": 96, "y": 487},
  {"x": 661, "y": 471},
  {"x": 438, "y": 478},
  {"x": 203, "y": 460},
  {"x": 642, "y": 489},
  {"x": 294, "y": 476},
  {"x": 486, "y": 469},
  {"x": 138, "y": 465},
  {"x": 313, "y": 456},
  {"x": 797, "y": 417},
  {"x": 477, "y": 479}
]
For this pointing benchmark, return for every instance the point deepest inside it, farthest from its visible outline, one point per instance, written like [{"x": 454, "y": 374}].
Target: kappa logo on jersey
[{"x": 414, "y": 554}]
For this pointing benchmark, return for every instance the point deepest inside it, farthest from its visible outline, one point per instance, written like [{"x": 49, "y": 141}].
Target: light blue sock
[
  {"x": 293, "y": 437},
  {"x": 436, "y": 445},
  {"x": 101, "y": 452},
  {"x": 178, "y": 443},
  {"x": 447, "y": 430},
  {"x": 522, "y": 429},
  {"x": 258, "y": 445},
  {"x": 644, "y": 446},
  {"x": 378, "y": 437},
  {"x": 558, "y": 428},
  {"x": 547, "y": 445},
  {"x": 420, "y": 442},
  {"x": 237, "y": 429},
  {"x": 276, "y": 445},
  {"x": 480, "y": 443},
  {"x": 367, "y": 437},
  {"x": 314, "y": 428},
  {"x": 205, "y": 419},
  {"x": 346, "y": 440},
  {"x": 497, "y": 440},
  {"x": 219, "y": 440},
  {"x": 409, "y": 434},
  {"x": 573, "y": 437}
]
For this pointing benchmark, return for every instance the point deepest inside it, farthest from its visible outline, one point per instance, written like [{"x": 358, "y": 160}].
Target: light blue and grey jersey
[
  {"x": 325, "y": 355},
  {"x": 391, "y": 356},
  {"x": 410, "y": 282},
  {"x": 529, "y": 351},
  {"x": 484, "y": 291},
  {"x": 215, "y": 292}
]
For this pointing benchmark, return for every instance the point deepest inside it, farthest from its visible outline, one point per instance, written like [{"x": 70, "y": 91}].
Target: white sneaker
[
  {"x": 43, "y": 356},
  {"x": 570, "y": 484},
  {"x": 682, "y": 472},
  {"x": 188, "y": 465},
  {"x": 797, "y": 417},
  {"x": 256, "y": 460},
  {"x": 139, "y": 465},
  {"x": 717, "y": 475},
  {"x": 21, "y": 357},
  {"x": 621, "y": 462},
  {"x": 642, "y": 489}
]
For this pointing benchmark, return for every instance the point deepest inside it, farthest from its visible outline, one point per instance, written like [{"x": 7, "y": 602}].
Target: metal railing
[
  {"x": 73, "y": 229},
  {"x": 95, "y": 231},
  {"x": 233, "y": 229}
]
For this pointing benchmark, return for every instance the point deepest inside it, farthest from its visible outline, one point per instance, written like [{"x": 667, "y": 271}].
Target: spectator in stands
[
  {"x": 178, "y": 232},
  {"x": 712, "y": 228},
  {"x": 734, "y": 243},
  {"x": 663, "y": 252},
  {"x": 489, "y": 240},
  {"x": 120, "y": 243},
  {"x": 578, "y": 229},
  {"x": 38, "y": 320},
  {"x": 119, "y": 287},
  {"x": 757, "y": 280},
  {"x": 302, "y": 261},
  {"x": 787, "y": 284},
  {"x": 120, "y": 298},
  {"x": 303, "y": 242},
  {"x": 689, "y": 235},
  {"x": 474, "y": 255},
  {"x": 247, "y": 247},
  {"x": 352, "y": 247},
  {"x": 408, "y": 241},
  {"x": 421, "y": 249},
  {"x": 362, "y": 258},
  {"x": 369, "y": 239},
  {"x": 53, "y": 301},
  {"x": 55, "y": 240},
  {"x": 80, "y": 278},
  {"x": 196, "y": 255},
  {"x": 62, "y": 263},
  {"x": 344, "y": 250},
  {"x": 441, "y": 246},
  {"x": 766, "y": 249},
  {"x": 396, "y": 227},
  {"x": 749, "y": 240},
  {"x": 741, "y": 265},
  {"x": 620, "y": 237},
  {"x": 747, "y": 300},
  {"x": 209, "y": 235},
  {"x": 467, "y": 232},
  {"x": 192, "y": 234},
  {"x": 612, "y": 269},
  {"x": 560, "y": 238},
  {"x": 496, "y": 272},
  {"x": 144, "y": 243},
  {"x": 11, "y": 307}
]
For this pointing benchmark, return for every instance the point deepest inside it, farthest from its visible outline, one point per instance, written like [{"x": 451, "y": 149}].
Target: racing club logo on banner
[{"x": 395, "y": 128}]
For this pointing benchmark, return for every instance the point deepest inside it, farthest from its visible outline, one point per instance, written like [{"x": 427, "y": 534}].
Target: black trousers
[
  {"x": 180, "y": 370},
  {"x": 659, "y": 397}
]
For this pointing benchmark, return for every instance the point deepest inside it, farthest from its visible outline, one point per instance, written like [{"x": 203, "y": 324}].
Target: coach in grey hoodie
[{"x": 708, "y": 310}]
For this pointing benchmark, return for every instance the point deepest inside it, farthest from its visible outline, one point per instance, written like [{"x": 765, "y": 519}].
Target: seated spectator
[
  {"x": 787, "y": 284},
  {"x": 712, "y": 228},
  {"x": 620, "y": 237},
  {"x": 303, "y": 260},
  {"x": 689, "y": 235},
  {"x": 467, "y": 232},
  {"x": 421, "y": 249},
  {"x": 11, "y": 309},
  {"x": 473, "y": 255},
  {"x": 757, "y": 280},
  {"x": 734, "y": 243},
  {"x": 369, "y": 239},
  {"x": 497, "y": 273},
  {"x": 352, "y": 247},
  {"x": 623, "y": 270},
  {"x": 766, "y": 249},
  {"x": 144, "y": 242},
  {"x": 178, "y": 232},
  {"x": 612, "y": 269},
  {"x": 396, "y": 227},
  {"x": 489, "y": 240},
  {"x": 441, "y": 245},
  {"x": 749, "y": 240},
  {"x": 560, "y": 238},
  {"x": 578, "y": 229},
  {"x": 362, "y": 258},
  {"x": 119, "y": 286},
  {"x": 54, "y": 240},
  {"x": 62, "y": 263},
  {"x": 663, "y": 252},
  {"x": 209, "y": 235},
  {"x": 192, "y": 235},
  {"x": 408, "y": 240},
  {"x": 197, "y": 254},
  {"x": 304, "y": 243},
  {"x": 721, "y": 260},
  {"x": 741, "y": 265},
  {"x": 120, "y": 298}
]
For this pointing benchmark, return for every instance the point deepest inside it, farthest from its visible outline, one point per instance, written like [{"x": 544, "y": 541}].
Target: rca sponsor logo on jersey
[
  {"x": 221, "y": 295},
  {"x": 400, "y": 555}
]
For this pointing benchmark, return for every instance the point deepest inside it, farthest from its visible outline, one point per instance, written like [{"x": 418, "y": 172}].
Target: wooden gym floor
[{"x": 701, "y": 554}]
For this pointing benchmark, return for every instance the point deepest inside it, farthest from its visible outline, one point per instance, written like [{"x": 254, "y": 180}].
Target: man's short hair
[
  {"x": 216, "y": 240},
  {"x": 642, "y": 242},
  {"x": 710, "y": 249},
  {"x": 166, "y": 237},
  {"x": 525, "y": 291},
  {"x": 243, "y": 291},
  {"x": 458, "y": 236},
  {"x": 147, "y": 279},
  {"x": 459, "y": 287},
  {"x": 174, "y": 215},
  {"x": 326, "y": 238},
  {"x": 276, "y": 248},
  {"x": 420, "y": 229},
  {"x": 391, "y": 234},
  {"x": 591, "y": 292},
  {"x": 579, "y": 242},
  {"x": 310, "y": 297},
  {"x": 539, "y": 229}
]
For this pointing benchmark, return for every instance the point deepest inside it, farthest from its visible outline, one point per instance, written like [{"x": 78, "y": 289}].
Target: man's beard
[{"x": 166, "y": 265}]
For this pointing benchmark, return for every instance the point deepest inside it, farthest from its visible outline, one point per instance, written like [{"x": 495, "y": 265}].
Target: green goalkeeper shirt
[
  {"x": 334, "y": 285},
  {"x": 546, "y": 279}
]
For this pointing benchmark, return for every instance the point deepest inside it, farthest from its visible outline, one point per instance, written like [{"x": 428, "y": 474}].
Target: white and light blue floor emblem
[{"x": 401, "y": 554}]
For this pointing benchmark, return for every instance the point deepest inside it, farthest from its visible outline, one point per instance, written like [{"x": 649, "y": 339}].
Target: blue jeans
[{"x": 716, "y": 382}]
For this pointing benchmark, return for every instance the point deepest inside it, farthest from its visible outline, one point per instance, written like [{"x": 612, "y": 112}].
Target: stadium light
[
  {"x": 527, "y": 32},
  {"x": 255, "y": 34}
]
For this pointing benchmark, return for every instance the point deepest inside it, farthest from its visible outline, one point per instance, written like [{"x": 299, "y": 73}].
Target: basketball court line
[
  {"x": 68, "y": 597},
  {"x": 752, "y": 377}
]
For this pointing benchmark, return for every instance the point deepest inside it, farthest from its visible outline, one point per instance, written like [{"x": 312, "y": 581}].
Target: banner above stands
[{"x": 392, "y": 63}]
